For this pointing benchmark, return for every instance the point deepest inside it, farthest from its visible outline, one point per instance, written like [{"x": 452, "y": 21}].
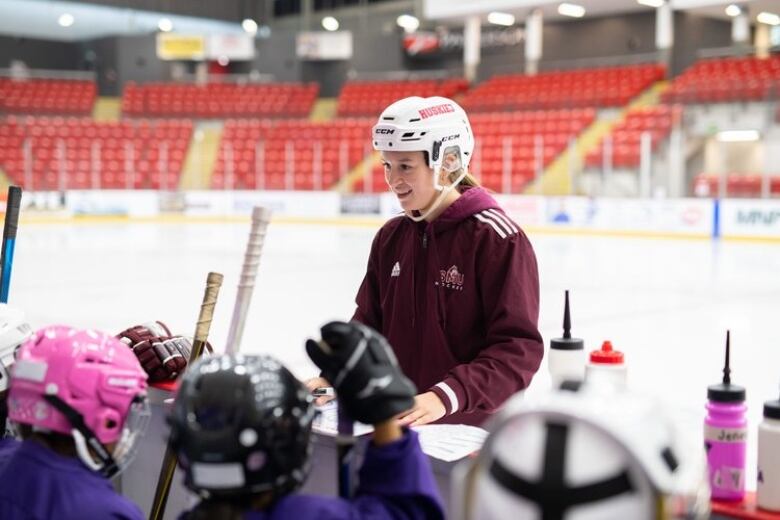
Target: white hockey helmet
[
  {"x": 14, "y": 330},
  {"x": 433, "y": 125},
  {"x": 589, "y": 454}
]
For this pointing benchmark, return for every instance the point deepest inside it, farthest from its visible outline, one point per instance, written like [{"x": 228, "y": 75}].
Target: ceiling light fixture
[
  {"x": 651, "y": 3},
  {"x": 66, "y": 20},
  {"x": 733, "y": 10},
  {"x": 165, "y": 25},
  {"x": 330, "y": 24},
  {"x": 768, "y": 18},
  {"x": 505, "y": 19},
  {"x": 408, "y": 22},
  {"x": 573, "y": 10},
  {"x": 249, "y": 26}
]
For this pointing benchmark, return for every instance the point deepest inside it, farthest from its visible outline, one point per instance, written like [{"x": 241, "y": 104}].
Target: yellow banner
[{"x": 180, "y": 47}]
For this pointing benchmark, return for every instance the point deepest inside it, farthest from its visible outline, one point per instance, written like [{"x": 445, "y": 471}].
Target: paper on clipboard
[
  {"x": 327, "y": 421},
  {"x": 447, "y": 442},
  {"x": 450, "y": 442}
]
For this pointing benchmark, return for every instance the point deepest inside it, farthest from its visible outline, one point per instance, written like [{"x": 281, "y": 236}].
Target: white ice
[{"x": 665, "y": 303}]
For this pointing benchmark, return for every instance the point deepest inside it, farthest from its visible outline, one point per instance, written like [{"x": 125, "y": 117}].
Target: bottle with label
[
  {"x": 725, "y": 435},
  {"x": 566, "y": 360},
  {"x": 607, "y": 365},
  {"x": 768, "y": 489}
]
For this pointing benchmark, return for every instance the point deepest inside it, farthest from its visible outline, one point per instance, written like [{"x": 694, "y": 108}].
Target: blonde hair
[{"x": 467, "y": 180}]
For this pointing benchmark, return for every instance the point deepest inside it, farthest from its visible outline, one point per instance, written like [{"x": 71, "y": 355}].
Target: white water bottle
[
  {"x": 768, "y": 489},
  {"x": 566, "y": 359},
  {"x": 607, "y": 366}
]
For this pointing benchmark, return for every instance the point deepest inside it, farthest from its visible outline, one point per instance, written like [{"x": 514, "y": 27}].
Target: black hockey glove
[{"x": 361, "y": 366}]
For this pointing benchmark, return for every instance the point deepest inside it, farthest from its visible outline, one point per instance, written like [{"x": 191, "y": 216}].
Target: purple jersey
[
  {"x": 396, "y": 483},
  {"x": 37, "y": 483}
]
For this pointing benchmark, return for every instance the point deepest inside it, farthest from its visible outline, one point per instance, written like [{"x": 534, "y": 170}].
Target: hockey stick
[
  {"x": 213, "y": 283},
  {"x": 9, "y": 239},
  {"x": 260, "y": 218}
]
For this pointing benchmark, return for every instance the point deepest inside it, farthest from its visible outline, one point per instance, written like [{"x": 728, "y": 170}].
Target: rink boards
[{"x": 751, "y": 219}]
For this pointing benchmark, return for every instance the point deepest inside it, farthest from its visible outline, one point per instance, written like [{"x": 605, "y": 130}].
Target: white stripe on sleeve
[
  {"x": 450, "y": 395},
  {"x": 498, "y": 221},
  {"x": 486, "y": 220},
  {"x": 504, "y": 219}
]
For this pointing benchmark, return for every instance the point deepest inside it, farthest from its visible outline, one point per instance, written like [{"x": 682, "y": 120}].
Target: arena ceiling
[{"x": 102, "y": 18}]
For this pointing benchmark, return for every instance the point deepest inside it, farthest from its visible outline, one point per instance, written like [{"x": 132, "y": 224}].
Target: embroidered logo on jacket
[
  {"x": 396, "y": 270},
  {"x": 451, "y": 278}
]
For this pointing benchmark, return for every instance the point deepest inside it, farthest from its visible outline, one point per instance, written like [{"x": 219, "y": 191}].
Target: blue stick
[{"x": 9, "y": 239}]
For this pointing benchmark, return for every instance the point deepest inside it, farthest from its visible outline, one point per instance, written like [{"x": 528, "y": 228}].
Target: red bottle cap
[{"x": 606, "y": 355}]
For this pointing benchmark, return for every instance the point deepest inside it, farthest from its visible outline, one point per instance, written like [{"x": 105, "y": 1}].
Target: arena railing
[
  {"x": 25, "y": 74},
  {"x": 582, "y": 63}
]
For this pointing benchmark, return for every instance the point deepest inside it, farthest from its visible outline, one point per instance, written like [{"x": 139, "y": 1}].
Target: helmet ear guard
[{"x": 454, "y": 165}]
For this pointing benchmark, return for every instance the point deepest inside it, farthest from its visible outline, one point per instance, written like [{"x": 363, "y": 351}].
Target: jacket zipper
[{"x": 425, "y": 240}]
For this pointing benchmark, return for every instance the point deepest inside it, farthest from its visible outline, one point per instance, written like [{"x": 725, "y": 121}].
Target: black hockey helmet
[{"x": 241, "y": 425}]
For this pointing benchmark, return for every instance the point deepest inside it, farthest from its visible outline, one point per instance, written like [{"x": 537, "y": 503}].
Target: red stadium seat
[
  {"x": 563, "y": 89},
  {"x": 297, "y": 148},
  {"x": 627, "y": 135},
  {"x": 215, "y": 100},
  {"x": 37, "y": 96},
  {"x": 97, "y": 156},
  {"x": 369, "y": 98},
  {"x": 724, "y": 80}
]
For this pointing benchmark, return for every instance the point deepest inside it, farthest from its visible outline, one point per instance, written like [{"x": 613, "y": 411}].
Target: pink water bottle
[{"x": 725, "y": 436}]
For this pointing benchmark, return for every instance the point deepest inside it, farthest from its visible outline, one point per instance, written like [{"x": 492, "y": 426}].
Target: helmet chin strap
[
  {"x": 84, "y": 439},
  {"x": 443, "y": 192}
]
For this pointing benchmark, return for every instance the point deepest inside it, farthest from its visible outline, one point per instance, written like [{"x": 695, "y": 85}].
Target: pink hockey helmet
[{"x": 82, "y": 383}]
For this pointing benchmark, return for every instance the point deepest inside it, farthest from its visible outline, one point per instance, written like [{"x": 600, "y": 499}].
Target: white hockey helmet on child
[
  {"x": 434, "y": 125},
  {"x": 589, "y": 454},
  {"x": 14, "y": 330}
]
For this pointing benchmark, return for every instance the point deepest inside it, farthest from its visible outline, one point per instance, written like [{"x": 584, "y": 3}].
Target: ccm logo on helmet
[
  {"x": 450, "y": 138},
  {"x": 385, "y": 131},
  {"x": 437, "y": 110}
]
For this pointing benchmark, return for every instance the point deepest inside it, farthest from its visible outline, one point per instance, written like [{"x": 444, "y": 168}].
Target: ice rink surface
[{"x": 665, "y": 303}]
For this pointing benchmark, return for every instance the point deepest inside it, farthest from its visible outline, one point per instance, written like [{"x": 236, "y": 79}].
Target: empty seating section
[
  {"x": 626, "y": 136},
  {"x": 737, "y": 185},
  {"x": 528, "y": 137},
  {"x": 369, "y": 98},
  {"x": 219, "y": 100},
  {"x": 563, "y": 89},
  {"x": 289, "y": 154},
  {"x": 727, "y": 79},
  {"x": 522, "y": 124},
  {"x": 43, "y": 96},
  {"x": 79, "y": 153}
]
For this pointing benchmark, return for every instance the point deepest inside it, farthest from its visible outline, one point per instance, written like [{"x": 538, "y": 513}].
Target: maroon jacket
[{"x": 458, "y": 299}]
